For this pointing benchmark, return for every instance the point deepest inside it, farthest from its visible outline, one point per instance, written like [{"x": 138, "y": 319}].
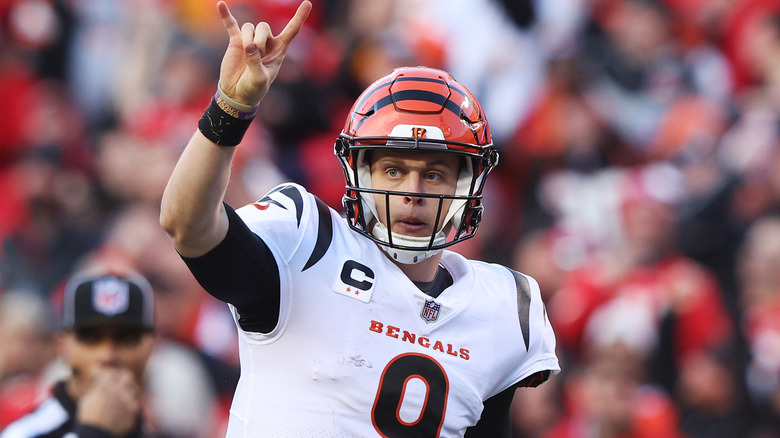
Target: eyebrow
[
  {"x": 428, "y": 163},
  {"x": 442, "y": 162}
]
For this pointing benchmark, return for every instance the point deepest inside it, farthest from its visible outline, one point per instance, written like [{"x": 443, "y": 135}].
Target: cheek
[
  {"x": 84, "y": 362},
  {"x": 76, "y": 355},
  {"x": 444, "y": 210},
  {"x": 446, "y": 206},
  {"x": 381, "y": 208},
  {"x": 135, "y": 358},
  {"x": 378, "y": 179}
]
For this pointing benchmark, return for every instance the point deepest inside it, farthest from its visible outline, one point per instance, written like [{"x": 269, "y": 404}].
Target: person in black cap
[{"x": 107, "y": 338}]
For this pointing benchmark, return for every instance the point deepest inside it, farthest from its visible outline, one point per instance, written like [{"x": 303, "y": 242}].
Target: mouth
[{"x": 410, "y": 226}]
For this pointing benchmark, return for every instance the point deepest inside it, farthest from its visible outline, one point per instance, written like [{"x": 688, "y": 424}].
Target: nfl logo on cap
[
  {"x": 430, "y": 311},
  {"x": 110, "y": 296}
]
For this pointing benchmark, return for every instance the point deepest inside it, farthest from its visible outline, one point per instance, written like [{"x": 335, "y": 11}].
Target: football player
[{"x": 360, "y": 324}]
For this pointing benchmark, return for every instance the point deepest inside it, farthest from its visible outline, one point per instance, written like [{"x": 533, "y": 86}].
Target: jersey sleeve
[
  {"x": 229, "y": 272},
  {"x": 540, "y": 360},
  {"x": 297, "y": 228},
  {"x": 247, "y": 269},
  {"x": 280, "y": 219}
]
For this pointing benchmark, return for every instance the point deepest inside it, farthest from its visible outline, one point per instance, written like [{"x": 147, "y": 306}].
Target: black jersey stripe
[
  {"x": 324, "y": 234},
  {"x": 523, "y": 305},
  {"x": 293, "y": 193}
]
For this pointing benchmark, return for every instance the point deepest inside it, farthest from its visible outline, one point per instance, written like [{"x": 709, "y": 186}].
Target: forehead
[
  {"x": 108, "y": 330},
  {"x": 418, "y": 158}
]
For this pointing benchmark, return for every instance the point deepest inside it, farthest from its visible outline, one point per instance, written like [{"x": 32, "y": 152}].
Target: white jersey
[{"x": 360, "y": 351}]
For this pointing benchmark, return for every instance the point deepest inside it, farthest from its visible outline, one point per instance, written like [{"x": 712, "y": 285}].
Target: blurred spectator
[
  {"x": 759, "y": 293},
  {"x": 606, "y": 398},
  {"x": 749, "y": 147},
  {"x": 711, "y": 397},
  {"x": 26, "y": 348},
  {"x": 689, "y": 139},
  {"x": 639, "y": 287},
  {"x": 635, "y": 67},
  {"x": 535, "y": 412},
  {"x": 59, "y": 205},
  {"x": 737, "y": 26}
]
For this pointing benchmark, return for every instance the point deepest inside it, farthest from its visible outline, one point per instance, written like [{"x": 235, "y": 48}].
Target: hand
[
  {"x": 112, "y": 403},
  {"x": 254, "y": 56}
]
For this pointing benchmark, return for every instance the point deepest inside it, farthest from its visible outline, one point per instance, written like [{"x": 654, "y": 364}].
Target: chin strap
[{"x": 407, "y": 256}]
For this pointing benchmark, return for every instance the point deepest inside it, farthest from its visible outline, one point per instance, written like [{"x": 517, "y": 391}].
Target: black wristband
[{"x": 222, "y": 128}]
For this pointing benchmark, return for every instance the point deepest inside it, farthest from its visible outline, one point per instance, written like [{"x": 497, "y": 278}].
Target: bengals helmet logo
[{"x": 419, "y": 133}]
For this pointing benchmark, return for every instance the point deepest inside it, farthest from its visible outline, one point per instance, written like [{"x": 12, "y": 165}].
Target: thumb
[
  {"x": 253, "y": 54},
  {"x": 257, "y": 48}
]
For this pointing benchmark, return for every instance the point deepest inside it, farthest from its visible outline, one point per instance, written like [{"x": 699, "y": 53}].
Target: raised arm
[{"x": 192, "y": 212}]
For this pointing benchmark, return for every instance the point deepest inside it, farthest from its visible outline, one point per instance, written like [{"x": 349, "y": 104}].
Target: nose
[
  {"x": 414, "y": 184},
  {"x": 416, "y": 200},
  {"x": 107, "y": 352}
]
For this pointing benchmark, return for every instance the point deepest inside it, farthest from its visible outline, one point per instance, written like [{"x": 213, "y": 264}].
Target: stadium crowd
[{"x": 639, "y": 183}]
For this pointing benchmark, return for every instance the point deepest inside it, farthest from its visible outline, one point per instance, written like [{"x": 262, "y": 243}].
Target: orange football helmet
[{"x": 421, "y": 109}]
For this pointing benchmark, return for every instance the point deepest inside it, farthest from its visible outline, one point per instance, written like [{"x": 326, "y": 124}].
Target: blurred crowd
[{"x": 639, "y": 140}]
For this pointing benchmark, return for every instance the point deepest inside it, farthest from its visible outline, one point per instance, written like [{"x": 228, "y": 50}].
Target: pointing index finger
[{"x": 296, "y": 23}]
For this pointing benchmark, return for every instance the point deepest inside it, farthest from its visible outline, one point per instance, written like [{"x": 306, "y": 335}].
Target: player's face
[
  {"x": 89, "y": 350},
  {"x": 418, "y": 172}
]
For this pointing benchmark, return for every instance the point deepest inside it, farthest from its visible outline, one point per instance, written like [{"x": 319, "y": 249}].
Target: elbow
[
  {"x": 174, "y": 222},
  {"x": 177, "y": 231},
  {"x": 169, "y": 223},
  {"x": 192, "y": 233}
]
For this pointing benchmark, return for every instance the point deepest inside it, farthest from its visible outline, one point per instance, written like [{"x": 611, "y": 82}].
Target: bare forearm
[{"x": 192, "y": 212}]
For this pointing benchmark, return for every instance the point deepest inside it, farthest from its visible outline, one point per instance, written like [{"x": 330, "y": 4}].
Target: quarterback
[{"x": 360, "y": 323}]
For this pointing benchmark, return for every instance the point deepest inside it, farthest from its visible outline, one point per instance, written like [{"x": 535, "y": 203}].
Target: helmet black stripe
[
  {"x": 402, "y": 78},
  {"x": 451, "y": 85},
  {"x": 420, "y": 95}
]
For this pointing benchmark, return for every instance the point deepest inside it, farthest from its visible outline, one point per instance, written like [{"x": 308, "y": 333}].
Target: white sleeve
[{"x": 280, "y": 218}]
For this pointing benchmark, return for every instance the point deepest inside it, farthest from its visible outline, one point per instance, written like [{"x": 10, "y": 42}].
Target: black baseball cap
[{"x": 98, "y": 298}]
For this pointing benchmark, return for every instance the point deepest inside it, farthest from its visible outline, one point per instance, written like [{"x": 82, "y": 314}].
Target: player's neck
[{"x": 422, "y": 271}]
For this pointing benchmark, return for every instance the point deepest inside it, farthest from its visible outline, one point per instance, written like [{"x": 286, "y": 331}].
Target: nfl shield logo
[
  {"x": 430, "y": 311},
  {"x": 110, "y": 296}
]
